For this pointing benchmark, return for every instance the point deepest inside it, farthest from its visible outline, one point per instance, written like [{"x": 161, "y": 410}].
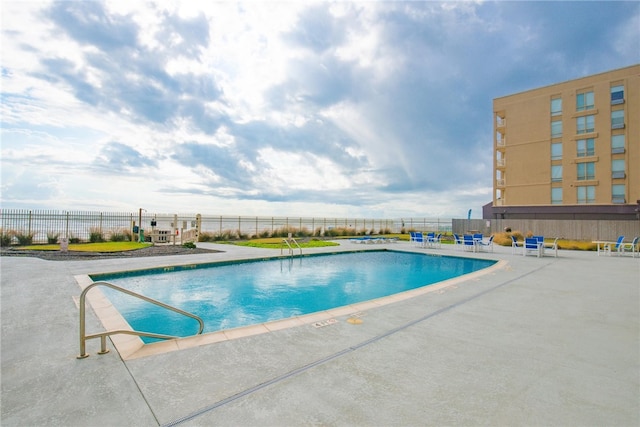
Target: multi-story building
[{"x": 569, "y": 151}]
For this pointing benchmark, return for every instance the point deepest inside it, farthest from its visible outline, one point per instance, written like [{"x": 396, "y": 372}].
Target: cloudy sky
[{"x": 357, "y": 109}]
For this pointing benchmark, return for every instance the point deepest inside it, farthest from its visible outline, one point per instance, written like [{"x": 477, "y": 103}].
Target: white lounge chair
[
  {"x": 433, "y": 240},
  {"x": 488, "y": 244},
  {"x": 553, "y": 246},
  {"x": 457, "y": 241},
  {"x": 629, "y": 247},
  {"x": 610, "y": 247},
  {"x": 515, "y": 244}
]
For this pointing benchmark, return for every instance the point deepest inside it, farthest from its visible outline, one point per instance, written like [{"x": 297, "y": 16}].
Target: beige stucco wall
[{"x": 527, "y": 140}]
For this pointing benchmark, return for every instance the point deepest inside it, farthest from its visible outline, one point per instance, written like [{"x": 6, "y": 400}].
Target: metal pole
[{"x": 140, "y": 225}]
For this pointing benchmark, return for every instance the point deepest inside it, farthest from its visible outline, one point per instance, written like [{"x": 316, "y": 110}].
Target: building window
[
  {"x": 556, "y": 173},
  {"x": 617, "y": 169},
  {"x": 556, "y": 151},
  {"x": 556, "y": 106},
  {"x": 585, "y": 124},
  {"x": 617, "y": 95},
  {"x": 586, "y": 171},
  {"x": 617, "y": 119},
  {"x": 617, "y": 144},
  {"x": 556, "y": 129},
  {"x": 618, "y": 194},
  {"x": 586, "y": 147},
  {"x": 584, "y": 101},
  {"x": 556, "y": 196},
  {"x": 587, "y": 194}
]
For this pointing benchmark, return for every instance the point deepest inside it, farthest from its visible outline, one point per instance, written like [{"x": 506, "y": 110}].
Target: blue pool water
[{"x": 238, "y": 294}]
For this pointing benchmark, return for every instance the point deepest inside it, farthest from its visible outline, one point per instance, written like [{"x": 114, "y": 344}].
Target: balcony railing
[
  {"x": 500, "y": 163},
  {"x": 500, "y": 182},
  {"x": 501, "y": 142}
]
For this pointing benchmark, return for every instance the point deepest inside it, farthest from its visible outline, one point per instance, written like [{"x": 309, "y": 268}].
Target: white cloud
[{"x": 294, "y": 108}]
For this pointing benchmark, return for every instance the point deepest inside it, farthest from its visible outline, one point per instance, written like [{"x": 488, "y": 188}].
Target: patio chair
[
  {"x": 532, "y": 244},
  {"x": 629, "y": 247},
  {"x": 433, "y": 240},
  {"x": 488, "y": 244},
  {"x": 457, "y": 241},
  {"x": 468, "y": 243},
  {"x": 553, "y": 246},
  {"x": 515, "y": 244},
  {"x": 610, "y": 247},
  {"x": 540, "y": 240},
  {"x": 419, "y": 239}
]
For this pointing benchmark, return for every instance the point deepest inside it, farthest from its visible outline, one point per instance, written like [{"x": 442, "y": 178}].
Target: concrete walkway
[{"x": 543, "y": 341}]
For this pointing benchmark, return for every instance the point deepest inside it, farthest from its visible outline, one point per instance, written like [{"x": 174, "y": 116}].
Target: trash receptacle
[
  {"x": 64, "y": 244},
  {"x": 141, "y": 236}
]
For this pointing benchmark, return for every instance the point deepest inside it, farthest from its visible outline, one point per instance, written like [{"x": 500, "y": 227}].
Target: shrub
[
  {"x": 205, "y": 237},
  {"x": 217, "y": 237},
  {"x": 120, "y": 235},
  {"x": 189, "y": 245},
  {"x": 225, "y": 235},
  {"x": 332, "y": 232},
  {"x": 73, "y": 239},
  {"x": 95, "y": 235},
  {"x": 303, "y": 232},
  {"x": 283, "y": 232},
  {"x": 264, "y": 234},
  {"x": 504, "y": 239},
  {"x": 25, "y": 239},
  {"x": 6, "y": 237},
  {"x": 52, "y": 238}
]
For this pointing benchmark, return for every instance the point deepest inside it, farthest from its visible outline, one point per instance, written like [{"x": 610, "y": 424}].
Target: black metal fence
[{"x": 42, "y": 226}]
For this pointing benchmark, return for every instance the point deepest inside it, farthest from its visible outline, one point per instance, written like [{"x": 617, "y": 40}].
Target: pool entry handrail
[
  {"x": 288, "y": 243},
  {"x": 103, "y": 335}
]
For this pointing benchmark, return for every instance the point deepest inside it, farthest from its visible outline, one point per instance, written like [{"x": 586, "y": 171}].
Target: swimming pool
[{"x": 234, "y": 294}]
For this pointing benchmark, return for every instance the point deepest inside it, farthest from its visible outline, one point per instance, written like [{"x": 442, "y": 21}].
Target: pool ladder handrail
[
  {"x": 287, "y": 242},
  {"x": 103, "y": 335}
]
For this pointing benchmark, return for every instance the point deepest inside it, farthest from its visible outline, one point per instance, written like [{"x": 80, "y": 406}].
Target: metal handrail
[
  {"x": 103, "y": 335},
  {"x": 291, "y": 239}
]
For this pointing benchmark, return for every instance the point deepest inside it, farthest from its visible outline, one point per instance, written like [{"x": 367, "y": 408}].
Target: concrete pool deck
[{"x": 541, "y": 341}]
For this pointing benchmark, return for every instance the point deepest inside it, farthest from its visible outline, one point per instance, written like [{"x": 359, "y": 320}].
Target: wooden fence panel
[{"x": 567, "y": 229}]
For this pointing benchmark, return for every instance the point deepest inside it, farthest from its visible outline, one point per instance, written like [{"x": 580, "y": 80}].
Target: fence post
[
  {"x": 198, "y": 226},
  {"x": 29, "y": 225}
]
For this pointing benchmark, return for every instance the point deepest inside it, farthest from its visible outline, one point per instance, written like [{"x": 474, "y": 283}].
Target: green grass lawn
[
  {"x": 91, "y": 247},
  {"x": 277, "y": 243}
]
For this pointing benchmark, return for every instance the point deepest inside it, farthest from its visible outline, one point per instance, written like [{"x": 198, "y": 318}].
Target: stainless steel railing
[
  {"x": 103, "y": 335},
  {"x": 288, "y": 243}
]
